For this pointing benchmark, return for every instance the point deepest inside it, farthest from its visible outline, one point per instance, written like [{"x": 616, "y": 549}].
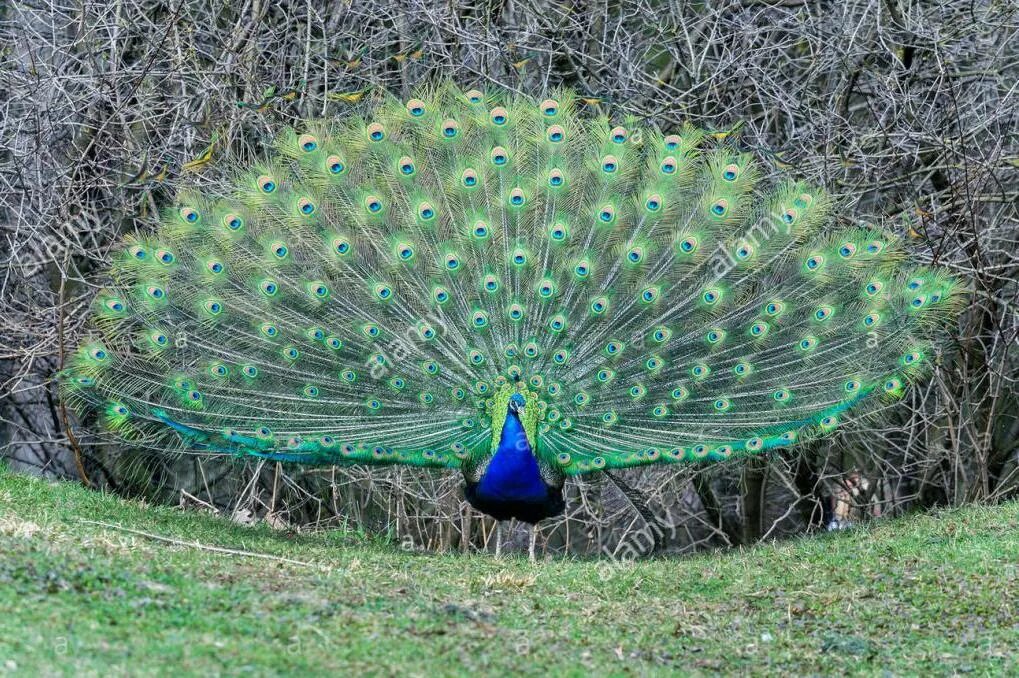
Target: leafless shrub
[{"x": 904, "y": 109}]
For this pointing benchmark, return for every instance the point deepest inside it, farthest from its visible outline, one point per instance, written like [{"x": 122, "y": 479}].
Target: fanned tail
[{"x": 379, "y": 289}]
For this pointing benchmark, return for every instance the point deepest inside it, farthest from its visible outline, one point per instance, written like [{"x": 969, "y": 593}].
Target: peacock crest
[{"x": 395, "y": 289}]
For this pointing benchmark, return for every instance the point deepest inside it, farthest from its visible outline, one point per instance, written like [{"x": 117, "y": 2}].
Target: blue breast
[{"x": 513, "y": 474}]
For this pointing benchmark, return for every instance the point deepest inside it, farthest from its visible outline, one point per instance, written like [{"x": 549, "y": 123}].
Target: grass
[{"x": 925, "y": 594}]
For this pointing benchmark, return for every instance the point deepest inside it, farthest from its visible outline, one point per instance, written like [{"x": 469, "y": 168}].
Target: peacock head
[{"x": 517, "y": 402}]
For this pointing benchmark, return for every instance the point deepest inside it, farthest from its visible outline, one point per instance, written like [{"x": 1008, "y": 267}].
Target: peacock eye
[
  {"x": 450, "y": 129},
  {"x": 308, "y": 143},
  {"x": 814, "y": 262},
  {"x": 334, "y": 164},
  {"x": 266, "y": 183},
  {"x": 499, "y": 116}
]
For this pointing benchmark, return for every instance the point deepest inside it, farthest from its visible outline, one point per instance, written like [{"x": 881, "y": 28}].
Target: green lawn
[{"x": 923, "y": 594}]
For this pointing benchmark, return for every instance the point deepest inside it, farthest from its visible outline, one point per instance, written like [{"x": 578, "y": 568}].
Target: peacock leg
[
  {"x": 498, "y": 538},
  {"x": 534, "y": 538}
]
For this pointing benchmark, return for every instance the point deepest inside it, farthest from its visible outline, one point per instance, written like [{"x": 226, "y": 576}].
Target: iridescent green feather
[{"x": 377, "y": 290}]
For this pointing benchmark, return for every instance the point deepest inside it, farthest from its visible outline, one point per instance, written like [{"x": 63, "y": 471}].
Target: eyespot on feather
[
  {"x": 334, "y": 165},
  {"x": 450, "y": 128},
  {"x": 416, "y": 108},
  {"x": 376, "y": 131},
  {"x": 499, "y": 116},
  {"x": 266, "y": 183}
]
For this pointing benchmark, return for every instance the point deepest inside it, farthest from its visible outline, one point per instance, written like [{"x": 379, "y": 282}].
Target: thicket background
[{"x": 905, "y": 110}]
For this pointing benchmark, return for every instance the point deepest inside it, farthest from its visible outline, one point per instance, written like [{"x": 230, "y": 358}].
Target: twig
[
  {"x": 65, "y": 420},
  {"x": 195, "y": 544}
]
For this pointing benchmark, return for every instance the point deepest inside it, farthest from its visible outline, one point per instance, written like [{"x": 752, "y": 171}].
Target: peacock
[{"x": 507, "y": 286}]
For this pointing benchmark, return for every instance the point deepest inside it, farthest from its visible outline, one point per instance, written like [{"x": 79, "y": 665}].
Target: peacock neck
[
  {"x": 512, "y": 485},
  {"x": 513, "y": 473}
]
